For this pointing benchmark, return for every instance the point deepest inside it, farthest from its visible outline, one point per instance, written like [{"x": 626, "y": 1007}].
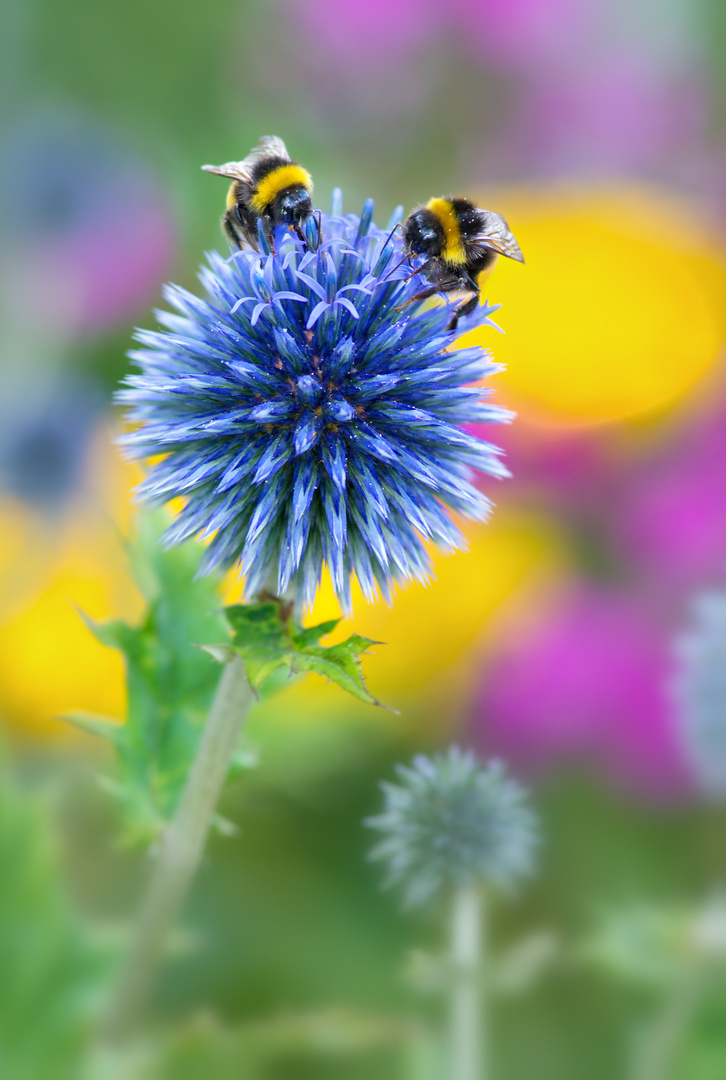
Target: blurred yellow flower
[
  {"x": 619, "y": 309},
  {"x": 431, "y": 634},
  {"x": 49, "y": 661}
]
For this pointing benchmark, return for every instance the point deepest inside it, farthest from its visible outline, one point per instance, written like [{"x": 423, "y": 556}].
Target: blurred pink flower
[
  {"x": 112, "y": 267},
  {"x": 615, "y": 114},
  {"x": 372, "y": 31},
  {"x": 587, "y": 682},
  {"x": 574, "y": 466},
  {"x": 525, "y": 32},
  {"x": 358, "y": 61},
  {"x": 672, "y": 515},
  {"x": 94, "y": 234}
]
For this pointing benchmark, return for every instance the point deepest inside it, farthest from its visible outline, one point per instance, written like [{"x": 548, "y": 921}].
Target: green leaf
[
  {"x": 103, "y": 726},
  {"x": 170, "y": 683},
  {"x": 268, "y": 639},
  {"x": 313, "y": 634}
]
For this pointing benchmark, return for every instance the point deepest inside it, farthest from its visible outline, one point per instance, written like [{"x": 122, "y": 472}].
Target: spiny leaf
[
  {"x": 170, "y": 683},
  {"x": 311, "y": 635},
  {"x": 268, "y": 639}
]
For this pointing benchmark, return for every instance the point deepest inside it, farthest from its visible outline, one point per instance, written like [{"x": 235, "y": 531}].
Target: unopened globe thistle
[
  {"x": 700, "y": 688},
  {"x": 454, "y": 822},
  {"x": 306, "y": 417}
]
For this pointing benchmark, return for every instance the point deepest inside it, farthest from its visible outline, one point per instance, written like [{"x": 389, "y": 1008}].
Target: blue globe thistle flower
[
  {"x": 308, "y": 417},
  {"x": 454, "y": 822},
  {"x": 700, "y": 688}
]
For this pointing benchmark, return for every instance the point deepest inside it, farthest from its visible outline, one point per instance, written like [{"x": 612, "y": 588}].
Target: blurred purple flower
[
  {"x": 588, "y": 682},
  {"x": 84, "y": 219},
  {"x": 374, "y": 31},
  {"x": 358, "y": 60},
  {"x": 570, "y": 466},
  {"x": 617, "y": 115},
  {"x": 524, "y": 32},
  {"x": 116, "y": 264},
  {"x": 672, "y": 516}
]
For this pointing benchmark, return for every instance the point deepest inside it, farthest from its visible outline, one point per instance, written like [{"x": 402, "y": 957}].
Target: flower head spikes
[
  {"x": 701, "y": 694},
  {"x": 306, "y": 419},
  {"x": 451, "y": 822}
]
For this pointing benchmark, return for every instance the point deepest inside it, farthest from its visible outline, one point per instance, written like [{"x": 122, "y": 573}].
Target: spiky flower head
[
  {"x": 306, "y": 417},
  {"x": 452, "y": 821},
  {"x": 700, "y": 690}
]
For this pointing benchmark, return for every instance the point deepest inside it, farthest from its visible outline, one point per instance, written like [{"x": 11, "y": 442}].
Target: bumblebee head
[
  {"x": 423, "y": 234},
  {"x": 293, "y": 205}
]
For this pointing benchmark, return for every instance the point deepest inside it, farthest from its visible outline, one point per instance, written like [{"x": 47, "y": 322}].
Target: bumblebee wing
[
  {"x": 268, "y": 146},
  {"x": 233, "y": 170},
  {"x": 497, "y": 236}
]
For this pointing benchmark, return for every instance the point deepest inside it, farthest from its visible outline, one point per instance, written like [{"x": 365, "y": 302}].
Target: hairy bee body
[
  {"x": 461, "y": 244},
  {"x": 268, "y": 187}
]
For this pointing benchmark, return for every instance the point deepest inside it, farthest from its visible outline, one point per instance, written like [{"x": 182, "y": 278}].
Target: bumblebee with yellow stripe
[
  {"x": 268, "y": 187},
  {"x": 461, "y": 244}
]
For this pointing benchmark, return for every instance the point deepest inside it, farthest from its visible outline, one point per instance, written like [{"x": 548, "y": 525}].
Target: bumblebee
[
  {"x": 461, "y": 243},
  {"x": 268, "y": 187}
]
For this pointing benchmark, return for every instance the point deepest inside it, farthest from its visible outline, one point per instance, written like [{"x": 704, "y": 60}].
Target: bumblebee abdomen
[
  {"x": 453, "y": 251},
  {"x": 233, "y": 195},
  {"x": 483, "y": 266},
  {"x": 276, "y": 180}
]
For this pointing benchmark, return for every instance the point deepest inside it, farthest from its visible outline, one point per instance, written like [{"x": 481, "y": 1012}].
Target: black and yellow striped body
[
  {"x": 460, "y": 244},
  {"x": 279, "y": 193}
]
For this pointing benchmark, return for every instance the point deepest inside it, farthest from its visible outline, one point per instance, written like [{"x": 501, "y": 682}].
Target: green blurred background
[{"x": 597, "y": 129}]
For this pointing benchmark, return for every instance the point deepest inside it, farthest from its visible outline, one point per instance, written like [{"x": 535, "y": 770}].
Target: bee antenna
[
  {"x": 396, "y": 226},
  {"x": 393, "y": 271}
]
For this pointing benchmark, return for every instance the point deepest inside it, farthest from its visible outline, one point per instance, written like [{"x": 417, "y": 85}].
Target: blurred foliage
[
  {"x": 291, "y": 1046},
  {"x": 52, "y": 972},
  {"x": 651, "y": 947},
  {"x": 702, "y": 1050},
  {"x": 170, "y": 682}
]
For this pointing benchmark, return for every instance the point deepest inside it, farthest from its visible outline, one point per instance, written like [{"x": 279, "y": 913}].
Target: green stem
[
  {"x": 468, "y": 1035},
  {"x": 181, "y": 848}
]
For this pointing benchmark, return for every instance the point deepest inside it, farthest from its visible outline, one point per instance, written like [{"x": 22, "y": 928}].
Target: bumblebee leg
[
  {"x": 269, "y": 231},
  {"x": 424, "y": 295},
  {"x": 423, "y": 270},
  {"x": 465, "y": 309}
]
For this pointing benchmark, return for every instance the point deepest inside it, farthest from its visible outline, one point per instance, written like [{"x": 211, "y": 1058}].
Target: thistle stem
[
  {"x": 467, "y": 1021},
  {"x": 181, "y": 848}
]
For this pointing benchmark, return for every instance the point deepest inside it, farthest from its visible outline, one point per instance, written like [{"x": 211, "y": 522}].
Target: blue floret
[{"x": 307, "y": 419}]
